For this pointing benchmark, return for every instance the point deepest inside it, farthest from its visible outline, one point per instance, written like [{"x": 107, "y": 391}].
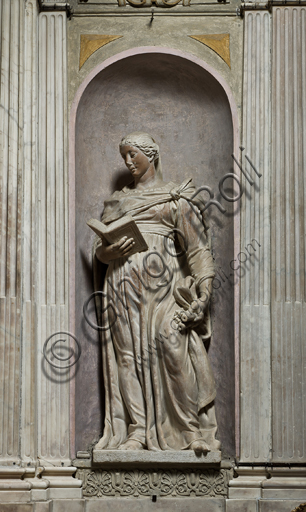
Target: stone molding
[
  {"x": 248, "y": 483},
  {"x": 149, "y": 482},
  {"x": 40, "y": 484},
  {"x": 268, "y": 483},
  {"x": 268, "y": 5},
  {"x": 49, "y": 5},
  {"x": 11, "y": 479},
  {"x": 285, "y": 483},
  {"x": 79, "y": 8}
]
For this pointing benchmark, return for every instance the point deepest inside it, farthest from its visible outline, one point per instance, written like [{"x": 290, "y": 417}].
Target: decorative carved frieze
[
  {"x": 148, "y": 482},
  {"x": 149, "y": 3}
]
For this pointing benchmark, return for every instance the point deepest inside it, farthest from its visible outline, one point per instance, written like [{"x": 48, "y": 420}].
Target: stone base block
[
  {"x": 39, "y": 494},
  {"x": 16, "y": 507},
  {"x": 71, "y": 494},
  {"x": 14, "y": 497},
  {"x": 246, "y": 493},
  {"x": 285, "y": 494},
  {"x": 241, "y": 506},
  {"x": 109, "y": 458},
  {"x": 161, "y": 505},
  {"x": 42, "y": 506},
  {"x": 69, "y": 506},
  {"x": 62, "y": 483}
]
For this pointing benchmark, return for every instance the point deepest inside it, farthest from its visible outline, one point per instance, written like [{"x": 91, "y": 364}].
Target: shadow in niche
[
  {"x": 89, "y": 332},
  {"x": 121, "y": 179},
  {"x": 86, "y": 266},
  {"x": 187, "y": 112}
]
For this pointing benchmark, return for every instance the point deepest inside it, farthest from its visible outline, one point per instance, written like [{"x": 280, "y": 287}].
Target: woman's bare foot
[
  {"x": 199, "y": 447},
  {"x": 215, "y": 445},
  {"x": 131, "y": 444}
]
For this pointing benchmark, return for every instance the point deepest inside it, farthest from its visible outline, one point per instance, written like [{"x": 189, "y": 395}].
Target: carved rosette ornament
[
  {"x": 100, "y": 483},
  {"x": 149, "y": 3}
]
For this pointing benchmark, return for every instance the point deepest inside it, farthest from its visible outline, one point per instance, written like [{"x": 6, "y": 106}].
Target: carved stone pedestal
[{"x": 166, "y": 476}]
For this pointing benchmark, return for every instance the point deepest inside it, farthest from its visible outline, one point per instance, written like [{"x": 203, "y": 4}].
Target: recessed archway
[{"x": 190, "y": 111}]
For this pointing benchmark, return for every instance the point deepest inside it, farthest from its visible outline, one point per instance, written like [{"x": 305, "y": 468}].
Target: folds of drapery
[{"x": 158, "y": 388}]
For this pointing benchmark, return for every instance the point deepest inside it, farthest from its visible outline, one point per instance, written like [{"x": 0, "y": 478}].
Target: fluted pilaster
[
  {"x": 53, "y": 385},
  {"x": 255, "y": 414},
  {"x": 28, "y": 150},
  {"x": 11, "y": 27},
  {"x": 288, "y": 234}
]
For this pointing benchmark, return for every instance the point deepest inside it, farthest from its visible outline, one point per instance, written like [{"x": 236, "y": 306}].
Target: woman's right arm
[{"x": 106, "y": 253}]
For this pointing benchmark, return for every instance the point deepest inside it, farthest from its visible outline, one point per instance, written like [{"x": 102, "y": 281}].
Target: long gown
[{"x": 159, "y": 386}]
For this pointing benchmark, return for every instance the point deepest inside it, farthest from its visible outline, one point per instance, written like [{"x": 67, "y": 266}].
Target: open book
[{"x": 125, "y": 226}]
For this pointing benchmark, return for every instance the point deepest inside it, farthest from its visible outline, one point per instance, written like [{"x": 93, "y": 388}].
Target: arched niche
[{"x": 190, "y": 112}]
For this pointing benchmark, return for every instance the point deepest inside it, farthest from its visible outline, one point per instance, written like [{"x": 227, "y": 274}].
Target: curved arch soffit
[{"x": 167, "y": 51}]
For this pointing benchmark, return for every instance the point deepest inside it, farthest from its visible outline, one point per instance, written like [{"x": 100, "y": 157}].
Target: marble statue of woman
[{"x": 159, "y": 387}]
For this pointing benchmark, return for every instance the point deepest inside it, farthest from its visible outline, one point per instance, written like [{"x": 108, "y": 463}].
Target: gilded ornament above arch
[
  {"x": 219, "y": 43},
  {"x": 90, "y": 43}
]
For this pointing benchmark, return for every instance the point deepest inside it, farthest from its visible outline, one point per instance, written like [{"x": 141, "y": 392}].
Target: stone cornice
[
  {"x": 47, "y": 5},
  {"x": 267, "y": 6}
]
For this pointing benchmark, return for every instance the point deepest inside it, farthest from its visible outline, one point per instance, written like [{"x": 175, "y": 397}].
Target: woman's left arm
[{"x": 195, "y": 241}]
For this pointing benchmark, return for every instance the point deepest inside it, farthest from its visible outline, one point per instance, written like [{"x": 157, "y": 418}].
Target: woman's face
[{"x": 135, "y": 160}]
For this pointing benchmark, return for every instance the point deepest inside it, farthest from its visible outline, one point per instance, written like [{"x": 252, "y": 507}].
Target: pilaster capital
[{"x": 50, "y": 5}]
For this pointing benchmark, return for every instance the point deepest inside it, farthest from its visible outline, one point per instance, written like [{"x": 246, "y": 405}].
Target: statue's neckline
[{"x": 128, "y": 190}]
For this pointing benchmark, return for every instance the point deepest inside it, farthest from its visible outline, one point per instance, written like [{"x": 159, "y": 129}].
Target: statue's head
[{"x": 147, "y": 145}]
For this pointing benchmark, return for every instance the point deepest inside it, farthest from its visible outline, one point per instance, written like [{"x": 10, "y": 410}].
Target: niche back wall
[{"x": 187, "y": 112}]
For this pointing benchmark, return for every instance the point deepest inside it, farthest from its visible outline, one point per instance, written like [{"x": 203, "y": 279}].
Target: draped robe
[{"x": 159, "y": 386}]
